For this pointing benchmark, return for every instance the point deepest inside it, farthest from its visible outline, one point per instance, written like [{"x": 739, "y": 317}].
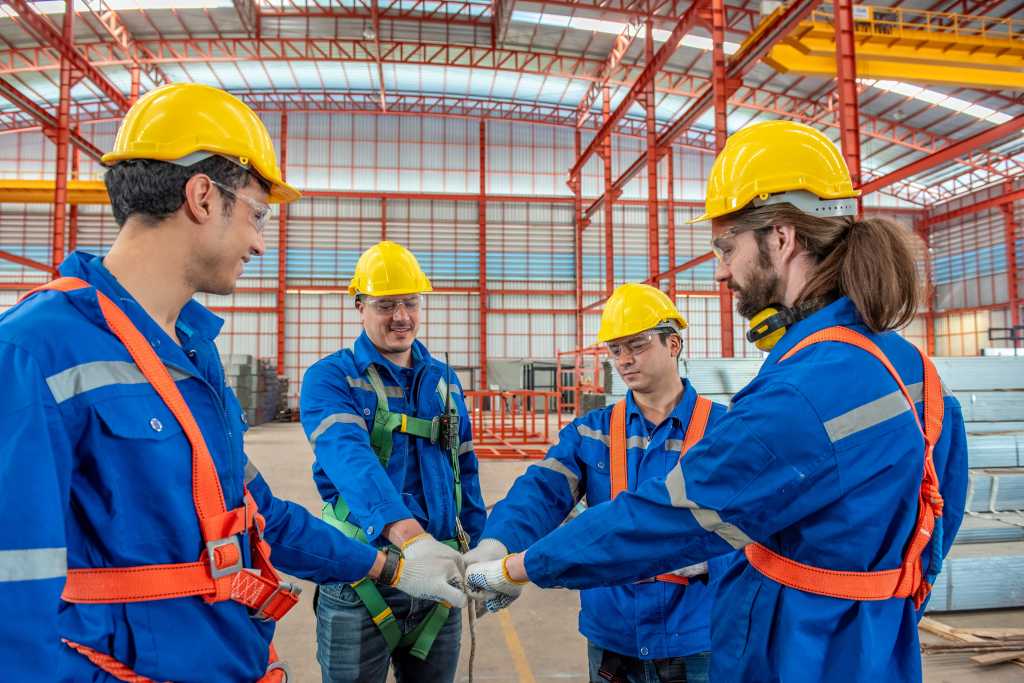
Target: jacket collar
[
  {"x": 194, "y": 319},
  {"x": 680, "y": 414},
  {"x": 839, "y": 312},
  {"x": 366, "y": 353}
]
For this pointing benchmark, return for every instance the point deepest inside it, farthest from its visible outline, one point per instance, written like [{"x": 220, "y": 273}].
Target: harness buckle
[
  {"x": 280, "y": 666},
  {"x": 211, "y": 553},
  {"x": 282, "y": 587}
]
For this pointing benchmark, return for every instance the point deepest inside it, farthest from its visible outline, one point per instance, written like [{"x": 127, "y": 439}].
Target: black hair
[{"x": 154, "y": 190}]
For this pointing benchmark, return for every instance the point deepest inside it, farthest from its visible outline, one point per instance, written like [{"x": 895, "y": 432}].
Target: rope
[{"x": 472, "y": 638}]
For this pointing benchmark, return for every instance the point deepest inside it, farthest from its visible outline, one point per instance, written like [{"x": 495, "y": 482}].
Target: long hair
[{"x": 871, "y": 261}]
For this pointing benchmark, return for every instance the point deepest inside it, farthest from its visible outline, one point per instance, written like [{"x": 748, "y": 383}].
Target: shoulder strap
[
  {"x": 907, "y": 580},
  {"x": 698, "y": 424},
  {"x": 61, "y": 284},
  {"x": 617, "y": 449},
  {"x": 384, "y": 421}
]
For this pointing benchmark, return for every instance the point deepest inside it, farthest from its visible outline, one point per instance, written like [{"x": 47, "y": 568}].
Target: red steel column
[
  {"x": 282, "y": 254},
  {"x": 577, "y": 191},
  {"x": 846, "y": 81},
  {"x": 609, "y": 237},
  {"x": 923, "y": 228},
  {"x": 721, "y": 98},
  {"x": 670, "y": 225},
  {"x": 383, "y": 218},
  {"x": 60, "y": 191},
  {"x": 653, "y": 250},
  {"x": 482, "y": 242},
  {"x": 76, "y": 159},
  {"x": 1012, "y": 282}
]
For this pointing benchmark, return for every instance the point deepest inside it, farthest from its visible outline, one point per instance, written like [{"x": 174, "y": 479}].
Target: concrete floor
[{"x": 536, "y": 639}]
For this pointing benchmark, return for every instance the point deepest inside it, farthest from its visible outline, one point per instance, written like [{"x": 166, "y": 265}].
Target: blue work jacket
[
  {"x": 650, "y": 620},
  {"x": 337, "y": 409},
  {"x": 820, "y": 459},
  {"x": 96, "y": 472}
]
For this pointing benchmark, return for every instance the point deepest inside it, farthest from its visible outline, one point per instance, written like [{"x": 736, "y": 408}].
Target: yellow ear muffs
[{"x": 768, "y": 327}]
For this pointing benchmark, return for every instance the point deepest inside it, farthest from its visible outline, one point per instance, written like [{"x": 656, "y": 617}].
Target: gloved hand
[
  {"x": 489, "y": 581},
  {"x": 488, "y": 549},
  {"x": 431, "y": 570},
  {"x": 692, "y": 570}
]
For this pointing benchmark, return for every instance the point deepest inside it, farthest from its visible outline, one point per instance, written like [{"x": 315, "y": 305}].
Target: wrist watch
[{"x": 387, "y": 576}]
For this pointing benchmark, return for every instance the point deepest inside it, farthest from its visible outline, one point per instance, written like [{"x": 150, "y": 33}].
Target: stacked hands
[{"x": 431, "y": 570}]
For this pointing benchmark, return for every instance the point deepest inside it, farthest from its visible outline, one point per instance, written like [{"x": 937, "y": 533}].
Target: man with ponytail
[{"x": 840, "y": 470}]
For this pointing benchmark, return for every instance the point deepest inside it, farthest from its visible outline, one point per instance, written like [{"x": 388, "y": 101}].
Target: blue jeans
[
  {"x": 696, "y": 667},
  {"x": 351, "y": 649}
]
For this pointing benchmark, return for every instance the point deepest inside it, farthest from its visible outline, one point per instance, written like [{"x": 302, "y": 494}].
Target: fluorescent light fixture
[
  {"x": 939, "y": 99},
  {"x": 613, "y": 28}
]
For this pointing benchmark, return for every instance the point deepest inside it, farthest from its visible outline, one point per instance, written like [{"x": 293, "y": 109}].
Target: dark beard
[{"x": 760, "y": 292}]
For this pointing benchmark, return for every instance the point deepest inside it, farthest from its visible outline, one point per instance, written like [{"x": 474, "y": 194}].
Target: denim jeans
[
  {"x": 696, "y": 667},
  {"x": 351, "y": 649}
]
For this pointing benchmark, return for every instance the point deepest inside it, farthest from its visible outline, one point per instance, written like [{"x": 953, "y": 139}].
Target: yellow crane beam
[
  {"x": 911, "y": 45},
  {"x": 41, "y": 191}
]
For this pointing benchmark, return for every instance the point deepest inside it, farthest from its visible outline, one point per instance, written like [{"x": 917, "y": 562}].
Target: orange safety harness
[
  {"x": 907, "y": 580},
  {"x": 617, "y": 446},
  {"x": 219, "y": 574}
]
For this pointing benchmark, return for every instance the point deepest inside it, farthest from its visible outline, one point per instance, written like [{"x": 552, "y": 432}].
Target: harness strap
[
  {"x": 277, "y": 672},
  {"x": 619, "y": 474},
  {"x": 906, "y": 581},
  {"x": 219, "y": 574}
]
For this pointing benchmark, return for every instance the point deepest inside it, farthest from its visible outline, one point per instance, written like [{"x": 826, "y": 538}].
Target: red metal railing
[{"x": 513, "y": 424}]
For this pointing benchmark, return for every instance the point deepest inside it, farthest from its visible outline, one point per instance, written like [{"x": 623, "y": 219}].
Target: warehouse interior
[{"x": 533, "y": 155}]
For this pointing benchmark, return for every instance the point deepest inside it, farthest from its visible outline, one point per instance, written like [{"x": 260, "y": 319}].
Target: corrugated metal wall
[{"x": 530, "y": 250}]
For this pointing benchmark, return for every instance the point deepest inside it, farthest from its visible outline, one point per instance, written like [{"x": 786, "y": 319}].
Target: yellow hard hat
[
  {"x": 633, "y": 308},
  {"x": 388, "y": 269},
  {"x": 779, "y": 161},
  {"x": 179, "y": 120}
]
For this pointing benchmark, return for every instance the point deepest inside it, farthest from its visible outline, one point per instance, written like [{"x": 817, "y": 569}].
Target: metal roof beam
[
  {"x": 950, "y": 153},
  {"x": 646, "y": 77},
  {"x": 47, "y": 120},
  {"x": 42, "y": 30},
  {"x": 984, "y": 205},
  {"x": 122, "y": 37},
  {"x": 773, "y": 29}
]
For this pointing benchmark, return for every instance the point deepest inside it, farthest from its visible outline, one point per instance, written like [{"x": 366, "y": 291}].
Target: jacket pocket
[{"x": 138, "y": 418}]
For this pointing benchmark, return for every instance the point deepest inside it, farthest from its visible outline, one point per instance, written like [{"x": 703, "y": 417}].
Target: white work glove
[
  {"x": 692, "y": 570},
  {"x": 490, "y": 582},
  {"x": 488, "y": 549},
  {"x": 431, "y": 570}
]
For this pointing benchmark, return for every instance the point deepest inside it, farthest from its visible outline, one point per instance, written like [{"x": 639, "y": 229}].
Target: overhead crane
[{"x": 899, "y": 44}]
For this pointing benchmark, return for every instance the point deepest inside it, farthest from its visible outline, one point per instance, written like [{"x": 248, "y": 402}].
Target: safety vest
[
  {"x": 617, "y": 447},
  {"x": 907, "y": 580},
  {"x": 219, "y": 573},
  {"x": 385, "y": 423}
]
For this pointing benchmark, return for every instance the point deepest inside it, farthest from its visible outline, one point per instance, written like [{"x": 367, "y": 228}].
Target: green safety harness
[{"x": 445, "y": 431}]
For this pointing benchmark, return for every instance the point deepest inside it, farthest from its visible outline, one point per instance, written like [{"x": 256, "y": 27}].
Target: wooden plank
[
  {"x": 996, "y": 633},
  {"x": 997, "y": 658},
  {"x": 936, "y": 627}
]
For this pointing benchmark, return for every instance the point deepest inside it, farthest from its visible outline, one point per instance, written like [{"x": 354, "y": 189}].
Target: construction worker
[
  {"x": 395, "y": 466},
  {"x": 656, "y": 629},
  {"x": 137, "y": 535},
  {"x": 840, "y": 470}
]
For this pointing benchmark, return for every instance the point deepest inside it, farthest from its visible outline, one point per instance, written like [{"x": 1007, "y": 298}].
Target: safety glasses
[
  {"x": 260, "y": 211},
  {"x": 633, "y": 346},
  {"x": 724, "y": 245},
  {"x": 390, "y": 306}
]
